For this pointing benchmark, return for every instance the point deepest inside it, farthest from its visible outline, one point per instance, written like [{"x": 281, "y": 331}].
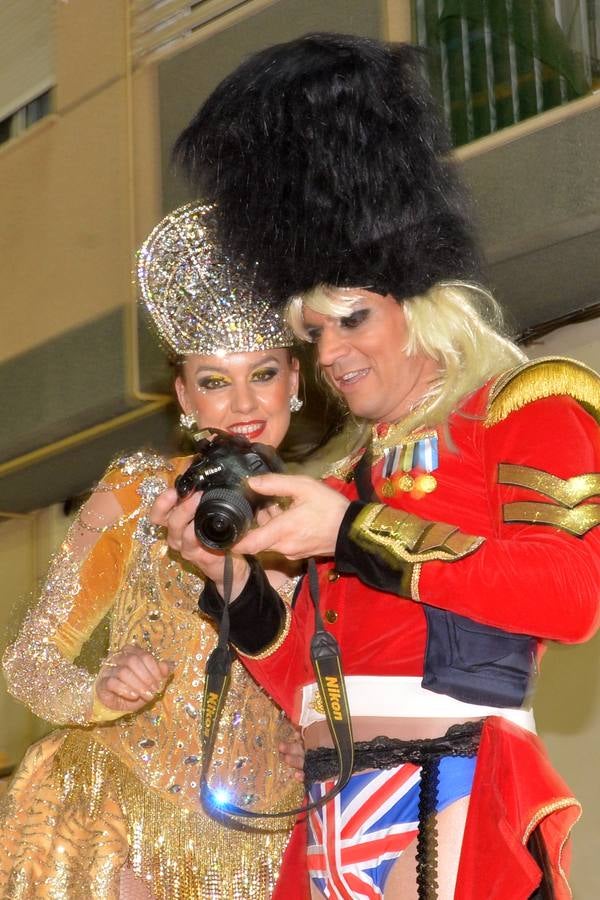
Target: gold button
[
  {"x": 331, "y": 615},
  {"x": 332, "y": 575}
]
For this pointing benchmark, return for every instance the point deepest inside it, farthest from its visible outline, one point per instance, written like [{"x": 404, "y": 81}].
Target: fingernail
[{"x": 148, "y": 694}]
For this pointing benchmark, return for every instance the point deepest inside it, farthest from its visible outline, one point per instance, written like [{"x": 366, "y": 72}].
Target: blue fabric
[{"x": 383, "y": 835}]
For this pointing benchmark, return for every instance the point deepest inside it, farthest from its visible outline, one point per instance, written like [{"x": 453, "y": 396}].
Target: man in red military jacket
[{"x": 464, "y": 532}]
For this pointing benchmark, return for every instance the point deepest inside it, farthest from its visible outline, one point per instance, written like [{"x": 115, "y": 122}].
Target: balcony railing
[
  {"x": 493, "y": 63},
  {"x": 163, "y": 27}
]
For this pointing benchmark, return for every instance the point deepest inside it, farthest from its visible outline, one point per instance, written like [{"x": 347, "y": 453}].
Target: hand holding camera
[
  {"x": 200, "y": 526},
  {"x": 220, "y": 469}
]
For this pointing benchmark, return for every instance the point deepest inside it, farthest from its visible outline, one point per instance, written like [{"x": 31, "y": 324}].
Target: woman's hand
[
  {"x": 292, "y": 753},
  {"x": 308, "y": 527},
  {"x": 131, "y": 679},
  {"x": 177, "y": 516}
]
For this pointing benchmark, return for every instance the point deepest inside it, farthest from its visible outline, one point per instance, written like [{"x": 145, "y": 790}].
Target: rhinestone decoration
[
  {"x": 150, "y": 489},
  {"x": 141, "y": 462},
  {"x": 145, "y": 532},
  {"x": 33, "y": 662},
  {"x": 130, "y": 784},
  {"x": 197, "y": 298}
]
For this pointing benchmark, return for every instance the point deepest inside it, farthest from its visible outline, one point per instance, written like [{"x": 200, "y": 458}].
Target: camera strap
[
  {"x": 363, "y": 479},
  {"x": 325, "y": 658}
]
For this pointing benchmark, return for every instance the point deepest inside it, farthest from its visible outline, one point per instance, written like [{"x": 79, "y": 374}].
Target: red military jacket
[{"x": 508, "y": 537}]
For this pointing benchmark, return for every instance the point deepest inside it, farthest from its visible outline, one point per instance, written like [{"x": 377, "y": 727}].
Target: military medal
[
  {"x": 426, "y": 483},
  {"x": 426, "y": 457},
  {"x": 401, "y": 461},
  {"x": 387, "y": 488},
  {"x": 404, "y": 482},
  {"x": 390, "y": 462}
]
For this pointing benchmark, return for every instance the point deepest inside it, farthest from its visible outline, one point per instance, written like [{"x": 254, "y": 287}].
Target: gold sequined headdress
[{"x": 199, "y": 300}]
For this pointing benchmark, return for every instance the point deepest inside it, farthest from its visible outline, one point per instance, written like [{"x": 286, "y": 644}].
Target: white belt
[{"x": 403, "y": 697}]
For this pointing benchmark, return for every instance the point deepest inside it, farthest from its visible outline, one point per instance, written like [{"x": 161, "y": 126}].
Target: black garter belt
[{"x": 386, "y": 753}]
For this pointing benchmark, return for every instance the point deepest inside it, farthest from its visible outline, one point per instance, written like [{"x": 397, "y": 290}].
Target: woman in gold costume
[{"x": 108, "y": 806}]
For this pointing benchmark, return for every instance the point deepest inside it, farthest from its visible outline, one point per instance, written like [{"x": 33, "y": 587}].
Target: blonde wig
[{"x": 458, "y": 324}]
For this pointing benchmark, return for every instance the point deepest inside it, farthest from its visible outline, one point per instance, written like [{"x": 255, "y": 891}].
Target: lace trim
[{"x": 386, "y": 753}]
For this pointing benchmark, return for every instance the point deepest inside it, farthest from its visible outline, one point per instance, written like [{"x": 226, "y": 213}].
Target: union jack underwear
[{"x": 355, "y": 839}]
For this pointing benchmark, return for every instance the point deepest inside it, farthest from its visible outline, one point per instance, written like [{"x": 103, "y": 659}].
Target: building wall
[
  {"x": 567, "y": 704},
  {"x": 70, "y": 221}
]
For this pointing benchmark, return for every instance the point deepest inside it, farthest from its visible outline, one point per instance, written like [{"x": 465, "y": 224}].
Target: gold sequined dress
[{"x": 111, "y": 793}]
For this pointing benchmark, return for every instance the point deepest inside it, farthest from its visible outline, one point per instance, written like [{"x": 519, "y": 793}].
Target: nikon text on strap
[{"x": 325, "y": 658}]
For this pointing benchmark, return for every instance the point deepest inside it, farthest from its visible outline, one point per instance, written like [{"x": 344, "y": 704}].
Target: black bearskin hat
[{"x": 328, "y": 163}]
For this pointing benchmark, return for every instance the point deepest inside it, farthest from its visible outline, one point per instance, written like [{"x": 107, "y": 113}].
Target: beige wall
[
  {"x": 581, "y": 341},
  {"x": 69, "y": 185}
]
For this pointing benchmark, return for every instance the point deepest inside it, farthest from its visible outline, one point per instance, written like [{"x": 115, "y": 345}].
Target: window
[
  {"x": 23, "y": 118},
  {"x": 492, "y": 63}
]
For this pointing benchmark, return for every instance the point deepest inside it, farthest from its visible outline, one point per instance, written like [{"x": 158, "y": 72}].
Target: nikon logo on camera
[
  {"x": 214, "y": 470},
  {"x": 210, "y": 710},
  {"x": 332, "y": 686}
]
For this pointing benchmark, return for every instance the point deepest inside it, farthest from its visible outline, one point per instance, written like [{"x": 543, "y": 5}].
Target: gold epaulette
[
  {"x": 343, "y": 468},
  {"x": 550, "y": 376}
]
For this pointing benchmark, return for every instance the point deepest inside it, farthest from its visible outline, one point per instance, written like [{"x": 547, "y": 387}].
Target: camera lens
[
  {"x": 218, "y": 531},
  {"x": 222, "y": 518},
  {"x": 219, "y": 523}
]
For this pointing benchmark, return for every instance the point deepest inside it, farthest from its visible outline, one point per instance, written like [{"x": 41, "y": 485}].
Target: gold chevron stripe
[
  {"x": 404, "y": 538},
  {"x": 576, "y": 521},
  {"x": 568, "y": 492}
]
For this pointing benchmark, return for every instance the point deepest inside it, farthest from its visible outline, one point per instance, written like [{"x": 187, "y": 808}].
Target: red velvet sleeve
[
  {"x": 286, "y": 666},
  {"x": 533, "y": 576},
  {"x": 283, "y": 667}
]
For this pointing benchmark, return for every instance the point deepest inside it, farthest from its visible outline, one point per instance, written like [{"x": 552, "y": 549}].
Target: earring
[
  {"x": 187, "y": 422},
  {"x": 296, "y": 403}
]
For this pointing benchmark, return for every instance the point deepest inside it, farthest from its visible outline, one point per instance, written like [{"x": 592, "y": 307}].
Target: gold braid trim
[
  {"x": 569, "y": 512},
  {"x": 405, "y": 538},
  {"x": 343, "y": 469},
  {"x": 397, "y": 435},
  {"x": 568, "y": 492},
  {"x": 563, "y": 803},
  {"x": 551, "y": 376},
  {"x": 181, "y": 853},
  {"x": 414, "y": 582},
  {"x": 576, "y": 521}
]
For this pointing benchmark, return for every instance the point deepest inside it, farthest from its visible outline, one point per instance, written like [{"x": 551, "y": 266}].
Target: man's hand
[
  {"x": 131, "y": 679},
  {"x": 308, "y": 527},
  {"x": 292, "y": 753}
]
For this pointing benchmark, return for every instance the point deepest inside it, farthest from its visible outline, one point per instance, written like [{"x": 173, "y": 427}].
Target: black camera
[{"x": 227, "y": 506}]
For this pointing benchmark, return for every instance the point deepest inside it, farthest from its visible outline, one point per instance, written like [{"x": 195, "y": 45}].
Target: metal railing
[{"x": 493, "y": 63}]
